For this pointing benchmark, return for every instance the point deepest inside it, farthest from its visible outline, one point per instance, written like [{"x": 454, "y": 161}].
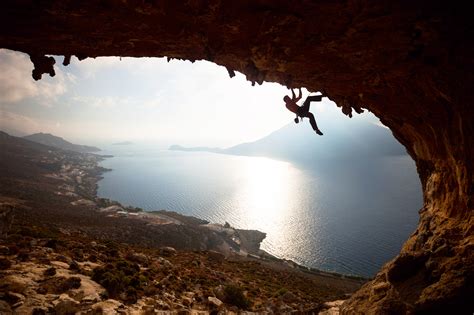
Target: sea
[{"x": 344, "y": 217}]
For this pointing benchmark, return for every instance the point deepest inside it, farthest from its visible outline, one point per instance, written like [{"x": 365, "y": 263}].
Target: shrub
[
  {"x": 131, "y": 295},
  {"x": 52, "y": 243},
  {"x": 71, "y": 283},
  {"x": 5, "y": 264},
  {"x": 74, "y": 266},
  {"x": 92, "y": 258},
  {"x": 234, "y": 295},
  {"x": 118, "y": 277},
  {"x": 23, "y": 256},
  {"x": 50, "y": 272},
  {"x": 13, "y": 249}
]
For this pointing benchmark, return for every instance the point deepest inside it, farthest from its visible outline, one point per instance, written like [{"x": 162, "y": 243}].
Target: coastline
[
  {"x": 280, "y": 198},
  {"x": 239, "y": 242},
  {"x": 80, "y": 179},
  {"x": 56, "y": 233}
]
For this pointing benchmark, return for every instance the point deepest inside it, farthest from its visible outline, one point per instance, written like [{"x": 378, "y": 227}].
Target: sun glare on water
[
  {"x": 265, "y": 190},
  {"x": 269, "y": 199}
]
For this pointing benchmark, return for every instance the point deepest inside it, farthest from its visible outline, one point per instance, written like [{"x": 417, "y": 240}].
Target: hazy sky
[{"x": 142, "y": 99}]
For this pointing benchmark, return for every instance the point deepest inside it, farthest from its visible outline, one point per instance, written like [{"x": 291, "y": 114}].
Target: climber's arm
[{"x": 299, "y": 96}]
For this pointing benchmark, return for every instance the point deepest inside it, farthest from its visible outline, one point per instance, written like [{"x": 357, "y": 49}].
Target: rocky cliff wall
[{"x": 409, "y": 62}]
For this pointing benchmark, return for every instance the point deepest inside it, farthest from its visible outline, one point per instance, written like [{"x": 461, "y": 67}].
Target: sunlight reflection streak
[{"x": 269, "y": 199}]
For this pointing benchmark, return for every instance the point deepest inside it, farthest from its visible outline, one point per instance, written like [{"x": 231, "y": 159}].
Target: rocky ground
[
  {"x": 61, "y": 272},
  {"x": 65, "y": 251}
]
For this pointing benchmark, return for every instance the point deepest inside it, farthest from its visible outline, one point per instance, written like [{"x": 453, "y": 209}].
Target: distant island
[
  {"x": 58, "y": 142},
  {"x": 123, "y": 143},
  {"x": 176, "y": 147}
]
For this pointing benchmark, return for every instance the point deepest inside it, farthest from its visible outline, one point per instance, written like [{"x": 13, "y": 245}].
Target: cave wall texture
[{"x": 409, "y": 62}]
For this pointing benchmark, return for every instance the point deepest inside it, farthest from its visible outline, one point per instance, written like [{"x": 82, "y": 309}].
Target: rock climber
[{"x": 303, "y": 111}]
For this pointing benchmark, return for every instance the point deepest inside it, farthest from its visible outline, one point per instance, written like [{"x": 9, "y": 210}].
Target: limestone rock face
[{"x": 409, "y": 62}]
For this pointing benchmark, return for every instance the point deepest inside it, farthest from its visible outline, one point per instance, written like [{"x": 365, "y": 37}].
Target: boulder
[
  {"x": 106, "y": 307},
  {"x": 164, "y": 263},
  {"x": 213, "y": 301},
  {"x": 167, "y": 251},
  {"x": 65, "y": 305},
  {"x": 18, "y": 284},
  {"x": 138, "y": 258},
  {"x": 90, "y": 299},
  {"x": 219, "y": 292}
]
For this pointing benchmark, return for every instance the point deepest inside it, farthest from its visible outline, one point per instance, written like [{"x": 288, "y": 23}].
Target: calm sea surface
[{"x": 348, "y": 218}]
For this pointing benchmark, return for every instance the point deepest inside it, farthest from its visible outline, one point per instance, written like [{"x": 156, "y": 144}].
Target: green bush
[
  {"x": 71, "y": 283},
  {"x": 118, "y": 277},
  {"x": 131, "y": 295},
  {"x": 234, "y": 295}
]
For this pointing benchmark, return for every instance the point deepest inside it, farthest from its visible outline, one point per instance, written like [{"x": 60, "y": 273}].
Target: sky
[{"x": 111, "y": 99}]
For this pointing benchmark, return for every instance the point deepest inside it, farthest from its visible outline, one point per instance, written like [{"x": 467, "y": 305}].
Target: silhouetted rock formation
[{"x": 408, "y": 62}]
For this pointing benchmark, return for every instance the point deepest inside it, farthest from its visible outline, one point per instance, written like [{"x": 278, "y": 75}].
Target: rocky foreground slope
[
  {"x": 65, "y": 251},
  {"x": 45, "y": 271}
]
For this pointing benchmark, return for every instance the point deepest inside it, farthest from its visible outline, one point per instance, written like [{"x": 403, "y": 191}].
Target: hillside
[{"x": 58, "y": 142}]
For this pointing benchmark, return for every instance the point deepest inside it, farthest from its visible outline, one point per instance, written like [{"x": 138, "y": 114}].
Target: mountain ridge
[
  {"x": 60, "y": 143},
  {"x": 361, "y": 140}
]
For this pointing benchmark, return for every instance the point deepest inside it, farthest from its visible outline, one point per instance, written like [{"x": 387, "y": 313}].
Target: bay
[{"x": 343, "y": 217}]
